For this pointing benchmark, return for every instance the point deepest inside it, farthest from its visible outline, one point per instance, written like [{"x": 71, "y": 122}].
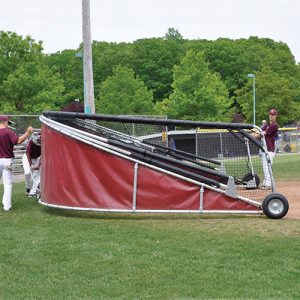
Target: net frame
[{"x": 189, "y": 165}]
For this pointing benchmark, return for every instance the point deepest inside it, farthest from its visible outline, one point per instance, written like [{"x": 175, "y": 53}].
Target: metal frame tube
[
  {"x": 143, "y": 120},
  {"x": 135, "y": 181},
  {"x": 246, "y": 212},
  {"x": 201, "y": 199}
]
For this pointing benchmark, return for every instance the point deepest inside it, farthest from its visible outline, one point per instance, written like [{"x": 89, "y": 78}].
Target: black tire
[
  {"x": 275, "y": 206},
  {"x": 248, "y": 177}
]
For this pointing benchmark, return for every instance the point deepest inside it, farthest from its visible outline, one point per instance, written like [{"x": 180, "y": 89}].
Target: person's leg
[
  {"x": 36, "y": 182},
  {"x": 27, "y": 183},
  {"x": 1, "y": 171},
  {"x": 7, "y": 183},
  {"x": 265, "y": 168},
  {"x": 267, "y": 180},
  {"x": 27, "y": 174},
  {"x": 35, "y": 177}
]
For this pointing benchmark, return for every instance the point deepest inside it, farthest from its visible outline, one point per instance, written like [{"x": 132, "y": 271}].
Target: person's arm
[
  {"x": 271, "y": 129},
  {"x": 23, "y": 137}
]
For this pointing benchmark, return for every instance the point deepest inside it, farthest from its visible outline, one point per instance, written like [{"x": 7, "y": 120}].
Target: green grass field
[
  {"x": 287, "y": 167},
  {"x": 56, "y": 254}
]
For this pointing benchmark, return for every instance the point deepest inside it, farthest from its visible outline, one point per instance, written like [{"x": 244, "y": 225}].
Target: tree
[
  {"x": 123, "y": 93},
  {"x": 70, "y": 68},
  {"x": 153, "y": 61},
  {"x": 272, "y": 91},
  {"x": 198, "y": 94},
  {"x": 32, "y": 88},
  {"x": 173, "y": 33},
  {"x": 107, "y": 56},
  {"x": 233, "y": 59},
  {"x": 15, "y": 50},
  {"x": 26, "y": 83},
  {"x": 297, "y": 87}
]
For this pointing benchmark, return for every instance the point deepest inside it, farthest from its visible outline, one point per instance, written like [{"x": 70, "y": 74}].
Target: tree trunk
[{"x": 19, "y": 105}]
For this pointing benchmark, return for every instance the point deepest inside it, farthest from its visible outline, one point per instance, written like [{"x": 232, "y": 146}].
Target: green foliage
[
  {"x": 153, "y": 60},
  {"x": 27, "y": 84},
  {"x": 234, "y": 59},
  {"x": 199, "y": 94},
  {"x": 162, "y": 107},
  {"x": 272, "y": 90},
  {"x": 32, "y": 88},
  {"x": 226, "y": 57},
  {"x": 173, "y": 34},
  {"x": 296, "y": 80},
  {"x": 15, "y": 50},
  {"x": 107, "y": 56},
  {"x": 123, "y": 93},
  {"x": 70, "y": 69}
]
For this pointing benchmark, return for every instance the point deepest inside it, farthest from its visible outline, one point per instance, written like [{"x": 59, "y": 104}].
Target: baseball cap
[
  {"x": 5, "y": 119},
  {"x": 273, "y": 112}
]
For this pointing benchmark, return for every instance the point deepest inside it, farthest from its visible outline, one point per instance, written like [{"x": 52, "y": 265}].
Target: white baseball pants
[
  {"x": 267, "y": 180},
  {"x": 27, "y": 171},
  {"x": 7, "y": 174},
  {"x": 36, "y": 176}
]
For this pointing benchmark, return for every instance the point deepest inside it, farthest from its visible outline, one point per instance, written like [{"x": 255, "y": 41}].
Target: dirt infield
[{"x": 291, "y": 190}]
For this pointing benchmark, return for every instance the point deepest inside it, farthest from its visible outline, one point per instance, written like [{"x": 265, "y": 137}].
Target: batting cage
[{"x": 140, "y": 164}]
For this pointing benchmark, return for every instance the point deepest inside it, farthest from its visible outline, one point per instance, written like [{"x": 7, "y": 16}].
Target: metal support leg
[{"x": 136, "y": 168}]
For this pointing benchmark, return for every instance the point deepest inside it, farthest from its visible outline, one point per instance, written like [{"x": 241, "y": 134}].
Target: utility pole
[
  {"x": 251, "y": 75},
  {"x": 89, "y": 101}
]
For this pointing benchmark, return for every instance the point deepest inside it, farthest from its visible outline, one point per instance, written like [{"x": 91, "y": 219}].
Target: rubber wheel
[
  {"x": 248, "y": 177},
  {"x": 275, "y": 206}
]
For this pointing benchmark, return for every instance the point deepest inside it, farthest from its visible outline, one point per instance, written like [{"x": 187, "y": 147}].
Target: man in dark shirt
[
  {"x": 270, "y": 132},
  {"x": 7, "y": 141}
]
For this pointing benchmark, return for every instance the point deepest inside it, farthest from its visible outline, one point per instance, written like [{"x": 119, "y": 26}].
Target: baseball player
[
  {"x": 27, "y": 172},
  {"x": 7, "y": 141},
  {"x": 31, "y": 163},
  {"x": 270, "y": 132}
]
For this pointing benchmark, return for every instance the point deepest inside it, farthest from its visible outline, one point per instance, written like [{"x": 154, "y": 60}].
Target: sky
[{"x": 58, "y": 23}]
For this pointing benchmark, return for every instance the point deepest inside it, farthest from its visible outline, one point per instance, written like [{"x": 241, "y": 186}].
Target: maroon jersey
[
  {"x": 271, "y": 134},
  {"x": 7, "y": 141},
  {"x": 33, "y": 150}
]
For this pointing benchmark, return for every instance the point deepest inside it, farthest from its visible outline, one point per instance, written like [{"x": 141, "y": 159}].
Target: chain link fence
[
  {"x": 289, "y": 138},
  {"x": 22, "y": 122}
]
